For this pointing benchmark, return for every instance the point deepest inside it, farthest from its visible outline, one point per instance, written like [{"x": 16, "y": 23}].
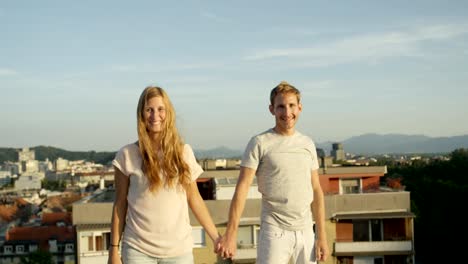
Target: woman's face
[{"x": 154, "y": 114}]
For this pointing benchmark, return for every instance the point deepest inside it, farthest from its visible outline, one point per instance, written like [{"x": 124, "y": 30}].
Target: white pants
[
  {"x": 133, "y": 256},
  {"x": 279, "y": 246}
]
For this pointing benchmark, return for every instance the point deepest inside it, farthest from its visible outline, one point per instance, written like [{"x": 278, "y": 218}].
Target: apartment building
[
  {"x": 364, "y": 224},
  {"x": 53, "y": 233}
]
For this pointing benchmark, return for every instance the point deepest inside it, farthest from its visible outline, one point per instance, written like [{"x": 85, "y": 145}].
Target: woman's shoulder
[
  {"x": 187, "y": 150},
  {"x": 129, "y": 148}
]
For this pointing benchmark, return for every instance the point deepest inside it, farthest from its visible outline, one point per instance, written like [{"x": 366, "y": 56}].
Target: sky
[{"x": 71, "y": 72}]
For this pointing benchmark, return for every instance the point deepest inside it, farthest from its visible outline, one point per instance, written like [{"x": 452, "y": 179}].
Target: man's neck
[{"x": 284, "y": 132}]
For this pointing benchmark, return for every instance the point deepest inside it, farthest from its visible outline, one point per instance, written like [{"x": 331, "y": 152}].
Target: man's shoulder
[
  {"x": 260, "y": 136},
  {"x": 303, "y": 136}
]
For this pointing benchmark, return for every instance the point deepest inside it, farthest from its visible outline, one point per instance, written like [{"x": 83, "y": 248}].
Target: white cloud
[
  {"x": 212, "y": 16},
  {"x": 7, "y": 72},
  {"x": 371, "y": 47}
]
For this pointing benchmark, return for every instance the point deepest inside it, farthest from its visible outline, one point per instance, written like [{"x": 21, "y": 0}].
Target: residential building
[
  {"x": 54, "y": 233},
  {"x": 29, "y": 181},
  {"x": 363, "y": 223}
]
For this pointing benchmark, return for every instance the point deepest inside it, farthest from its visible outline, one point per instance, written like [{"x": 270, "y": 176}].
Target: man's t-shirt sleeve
[{"x": 251, "y": 157}]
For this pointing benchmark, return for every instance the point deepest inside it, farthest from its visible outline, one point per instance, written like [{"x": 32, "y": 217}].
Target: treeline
[
  {"x": 438, "y": 194},
  {"x": 52, "y": 153}
]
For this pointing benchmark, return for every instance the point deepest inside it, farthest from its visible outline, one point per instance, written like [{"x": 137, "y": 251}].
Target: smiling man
[{"x": 285, "y": 163}]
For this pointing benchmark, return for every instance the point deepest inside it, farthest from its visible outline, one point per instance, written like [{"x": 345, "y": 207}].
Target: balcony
[
  {"x": 245, "y": 254},
  {"x": 373, "y": 248},
  {"x": 367, "y": 202}
]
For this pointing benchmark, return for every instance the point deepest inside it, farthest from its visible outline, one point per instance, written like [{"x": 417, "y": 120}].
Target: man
[{"x": 285, "y": 163}]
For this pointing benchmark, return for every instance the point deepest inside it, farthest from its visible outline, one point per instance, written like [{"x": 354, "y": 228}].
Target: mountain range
[
  {"x": 363, "y": 144},
  {"x": 398, "y": 143},
  {"x": 371, "y": 144}
]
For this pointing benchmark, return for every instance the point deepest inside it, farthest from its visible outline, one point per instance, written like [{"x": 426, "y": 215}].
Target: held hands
[{"x": 225, "y": 246}]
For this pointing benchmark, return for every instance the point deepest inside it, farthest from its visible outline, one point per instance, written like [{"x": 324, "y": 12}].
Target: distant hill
[
  {"x": 399, "y": 143},
  {"x": 52, "y": 153},
  {"x": 363, "y": 144},
  {"x": 219, "y": 152}
]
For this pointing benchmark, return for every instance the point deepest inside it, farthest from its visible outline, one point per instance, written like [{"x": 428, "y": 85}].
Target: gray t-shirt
[{"x": 283, "y": 167}]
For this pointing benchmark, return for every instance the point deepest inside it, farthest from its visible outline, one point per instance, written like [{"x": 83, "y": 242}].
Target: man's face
[{"x": 286, "y": 110}]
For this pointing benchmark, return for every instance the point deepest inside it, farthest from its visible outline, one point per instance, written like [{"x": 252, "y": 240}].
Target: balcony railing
[{"x": 374, "y": 247}]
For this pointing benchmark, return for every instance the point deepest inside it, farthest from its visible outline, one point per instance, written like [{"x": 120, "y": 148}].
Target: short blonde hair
[{"x": 284, "y": 88}]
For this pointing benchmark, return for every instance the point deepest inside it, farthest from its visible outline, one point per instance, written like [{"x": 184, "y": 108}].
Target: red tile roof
[
  {"x": 53, "y": 218},
  {"x": 42, "y": 234}
]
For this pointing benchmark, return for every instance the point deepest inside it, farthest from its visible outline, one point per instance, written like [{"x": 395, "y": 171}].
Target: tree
[
  {"x": 37, "y": 257},
  {"x": 436, "y": 188}
]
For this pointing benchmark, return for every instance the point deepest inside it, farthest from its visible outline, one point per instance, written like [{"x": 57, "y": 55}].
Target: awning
[
  {"x": 372, "y": 215},
  {"x": 86, "y": 227}
]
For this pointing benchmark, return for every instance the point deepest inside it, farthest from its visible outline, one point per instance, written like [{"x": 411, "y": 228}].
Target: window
[
  {"x": 368, "y": 230},
  {"x": 8, "y": 249},
  {"x": 378, "y": 260},
  {"x": 350, "y": 186},
  {"x": 90, "y": 244},
  {"x": 361, "y": 230},
  {"x": 32, "y": 248},
  {"x": 245, "y": 238},
  {"x": 198, "y": 235},
  {"x": 345, "y": 260},
  {"x": 257, "y": 234},
  {"x": 60, "y": 248},
  {"x": 376, "y": 229},
  {"x": 99, "y": 243},
  {"x": 69, "y": 247},
  {"x": 20, "y": 249},
  {"x": 93, "y": 241}
]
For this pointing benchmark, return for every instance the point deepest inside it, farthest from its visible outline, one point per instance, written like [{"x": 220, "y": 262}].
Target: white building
[
  {"x": 28, "y": 182},
  {"x": 61, "y": 164},
  {"x": 25, "y": 154}
]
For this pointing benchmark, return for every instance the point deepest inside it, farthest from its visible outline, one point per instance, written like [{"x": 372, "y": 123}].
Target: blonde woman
[{"x": 155, "y": 182}]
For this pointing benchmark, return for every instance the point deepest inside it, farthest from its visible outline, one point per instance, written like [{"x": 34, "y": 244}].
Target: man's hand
[
  {"x": 227, "y": 247},
  {"x": 321, "y": 249}
]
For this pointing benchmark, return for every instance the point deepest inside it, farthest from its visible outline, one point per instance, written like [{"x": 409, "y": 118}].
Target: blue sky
[{"x": 71, "y": 72}]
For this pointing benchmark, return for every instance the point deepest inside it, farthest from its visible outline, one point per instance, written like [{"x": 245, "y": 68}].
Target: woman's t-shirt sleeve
[{"x": 189, "y": 157}]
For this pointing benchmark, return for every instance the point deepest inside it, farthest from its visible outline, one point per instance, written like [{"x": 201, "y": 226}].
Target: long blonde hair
[{"x": 169, "y": 169}]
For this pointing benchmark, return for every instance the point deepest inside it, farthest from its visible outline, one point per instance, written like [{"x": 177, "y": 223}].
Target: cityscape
[
  {"x": 61, "y": 209},
  {"x": 381, "y": 91}
]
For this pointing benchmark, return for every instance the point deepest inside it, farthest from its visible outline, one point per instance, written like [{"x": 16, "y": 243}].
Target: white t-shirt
[
  {"x": 283, "y": 167},
  {"x": 157, "y": 223}
]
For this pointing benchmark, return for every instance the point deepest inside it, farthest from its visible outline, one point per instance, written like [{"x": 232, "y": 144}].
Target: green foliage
[
  {"x": 51, "y": 153},
  {"x": 436, "y": 188},
  {"x": 8, "y": 154},
  {"x": 53, "y": 185},
  {"x": 37, "y": 257}
]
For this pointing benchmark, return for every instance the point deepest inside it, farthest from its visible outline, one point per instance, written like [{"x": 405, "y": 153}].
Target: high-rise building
[
  {"x": 338, "y": 152},
  {"x": 26, "y": 155}
]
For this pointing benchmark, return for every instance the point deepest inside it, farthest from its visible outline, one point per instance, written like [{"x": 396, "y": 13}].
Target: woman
[{"x": 155, "y": 184}]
